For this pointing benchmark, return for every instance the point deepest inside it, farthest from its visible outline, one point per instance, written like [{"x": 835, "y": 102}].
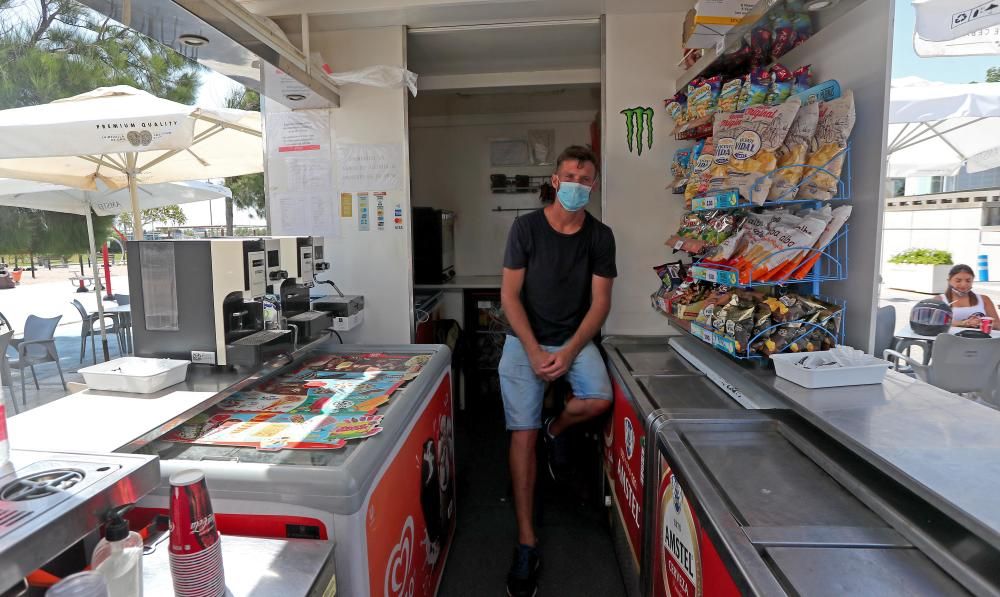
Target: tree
[
  {"x": 993, "y": 74},
  {"x": 65, "y": 49},
  {"x": 248, "y": 190},
  {"x": 170, "y": 214}
]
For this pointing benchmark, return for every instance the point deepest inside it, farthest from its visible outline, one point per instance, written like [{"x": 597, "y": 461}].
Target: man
[{"x": 556, "y": 293}]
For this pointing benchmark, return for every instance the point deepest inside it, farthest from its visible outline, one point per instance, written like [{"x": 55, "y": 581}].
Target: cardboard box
[{"x": 705, "y": 25}]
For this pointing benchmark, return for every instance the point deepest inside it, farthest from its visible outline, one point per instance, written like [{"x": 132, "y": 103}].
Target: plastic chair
[
  {"x": 5, "y": 325},
  {"x": 87, "y": 330},
  {"x": 960, "y": 365},
  {"x": 38, "y": 346},
  {"x": 5, "y": 377},
  {"x": 885, "y": 329},
  {"x": 124, "y": 322},
  {"x": 121, "y": 299}
]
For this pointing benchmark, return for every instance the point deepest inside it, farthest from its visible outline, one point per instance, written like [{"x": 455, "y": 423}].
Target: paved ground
[{"x": 48, "y": 295}]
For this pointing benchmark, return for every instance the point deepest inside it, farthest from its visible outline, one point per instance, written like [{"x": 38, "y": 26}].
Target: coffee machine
[
  {"x": 292, "y": 281},
  {"x": 202, "y": 300}
]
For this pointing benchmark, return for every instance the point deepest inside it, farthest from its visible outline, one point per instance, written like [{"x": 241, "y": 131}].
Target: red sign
[
  {"x": 411, "y": 515},
  {"x": 686, "y": 562},
  {"x": 625, "y": 465}
]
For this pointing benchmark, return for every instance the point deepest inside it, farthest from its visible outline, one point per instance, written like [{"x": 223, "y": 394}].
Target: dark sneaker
[
  {"x": 556, "y": 450},
  {"x": 522, "y": 580}
]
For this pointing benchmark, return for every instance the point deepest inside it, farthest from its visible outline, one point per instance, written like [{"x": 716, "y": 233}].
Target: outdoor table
[
  {"x": 122, "y": 314},
  {"x": 907, "y": 337}
]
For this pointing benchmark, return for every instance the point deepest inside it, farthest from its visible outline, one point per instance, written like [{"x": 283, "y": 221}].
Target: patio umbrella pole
[
  {"x": 97, "y": 285},
  {"x": 133, "y": 191}
]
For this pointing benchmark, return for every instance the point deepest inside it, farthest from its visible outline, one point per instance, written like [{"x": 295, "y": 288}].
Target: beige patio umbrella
[{"x": 125, "y": 137}]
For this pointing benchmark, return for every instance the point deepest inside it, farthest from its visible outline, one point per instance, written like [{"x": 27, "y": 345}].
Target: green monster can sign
[{"x": 637, "y": 121}]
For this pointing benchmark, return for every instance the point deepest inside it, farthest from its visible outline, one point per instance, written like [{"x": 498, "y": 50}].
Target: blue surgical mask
[{"x": 573, "y": 196}]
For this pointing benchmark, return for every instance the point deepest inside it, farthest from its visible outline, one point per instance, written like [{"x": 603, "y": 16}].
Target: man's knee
[
  {"x": 523, "y": 438},
  {"x": 597, "y": 407}
]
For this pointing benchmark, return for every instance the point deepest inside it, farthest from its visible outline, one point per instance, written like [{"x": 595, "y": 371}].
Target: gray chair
[
  {"x": 5, "y": 377},
  {"x": 38, "y": 346},
  {"x": 121, "y": 299},
  {"x": 5, "y": 325},
  {"x": 885, "y": 329},
  {"x": 90, "y": 327},
  {"x": 960, "y": 365},
  {"x": 124, "y": 322}
]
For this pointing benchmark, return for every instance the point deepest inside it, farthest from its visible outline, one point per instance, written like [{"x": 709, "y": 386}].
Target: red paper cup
[
  {"x": 986, "y": 325},
  {"x": 195, "y": 548}
]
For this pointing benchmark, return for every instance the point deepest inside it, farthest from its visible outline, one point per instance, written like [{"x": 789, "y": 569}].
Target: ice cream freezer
[
  {"x": 725, "y": 480},
  {"x": 652, "y": 383},
  {"x": 386, "y": 499},
  {"x": 764, "y": 505}
]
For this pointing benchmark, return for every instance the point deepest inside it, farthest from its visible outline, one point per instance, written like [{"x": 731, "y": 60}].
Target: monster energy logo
[{"x": 635, "y": 120}]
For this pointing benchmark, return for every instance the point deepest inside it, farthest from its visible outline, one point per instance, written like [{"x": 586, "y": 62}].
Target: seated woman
[{"x": 967, "y": 307}]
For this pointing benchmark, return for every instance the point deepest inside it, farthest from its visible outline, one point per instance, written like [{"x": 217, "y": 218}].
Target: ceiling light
[
  {"x": 295, "y": 97},
  {"x": 192, "y": 40},
  {"x": 816, "y": 5}
]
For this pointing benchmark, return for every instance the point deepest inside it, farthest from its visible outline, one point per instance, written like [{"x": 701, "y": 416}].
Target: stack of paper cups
[{"x": 195, "y": 546}]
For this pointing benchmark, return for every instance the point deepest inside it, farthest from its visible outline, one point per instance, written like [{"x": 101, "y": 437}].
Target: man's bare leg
[
  {"x": 577, "y": 411},
  {"x": 522, "y": 471}
]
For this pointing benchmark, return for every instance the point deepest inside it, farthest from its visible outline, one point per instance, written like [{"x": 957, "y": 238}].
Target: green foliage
[
  {"x": 171, "y": 214},
  {"x": 33, "y": 231},
  {"x": 248, "y": 190},
  {"x": 923, "y": 257},
  {"x": 58, "y": 49},
  {"x": 993, "y": 74}
]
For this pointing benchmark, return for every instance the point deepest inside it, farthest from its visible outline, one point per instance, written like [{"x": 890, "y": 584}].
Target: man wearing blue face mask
[{"x": 557, "y": 275}]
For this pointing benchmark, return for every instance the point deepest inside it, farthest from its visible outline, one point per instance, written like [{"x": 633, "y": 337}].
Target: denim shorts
[{"x": 522, "y": 390}]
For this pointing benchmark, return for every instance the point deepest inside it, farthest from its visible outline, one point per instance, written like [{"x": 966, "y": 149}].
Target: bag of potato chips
[
  {"x": 793, "y": 153},
  {"x": 724, "y": 131},
  {"x": 762, "y": 132},
  {"x": 836, "y": 121},
  {"x": 701, "y": 174}
]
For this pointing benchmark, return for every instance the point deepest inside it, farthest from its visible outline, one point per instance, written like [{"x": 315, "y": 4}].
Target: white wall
[
  {"x": 375, "y": 264},
  {"x": 450, "y": 155},
  {"x": 638, "y": 207}
]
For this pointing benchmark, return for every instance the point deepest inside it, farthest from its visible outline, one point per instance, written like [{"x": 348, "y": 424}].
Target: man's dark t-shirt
[{"x": 558, "y": 271}]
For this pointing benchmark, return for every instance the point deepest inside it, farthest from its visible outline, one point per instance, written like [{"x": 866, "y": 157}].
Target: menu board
[{"x": 327, "y": 402}]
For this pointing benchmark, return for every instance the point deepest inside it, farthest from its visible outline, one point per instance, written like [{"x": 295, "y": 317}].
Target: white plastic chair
[{"x": 959, "y": 365}]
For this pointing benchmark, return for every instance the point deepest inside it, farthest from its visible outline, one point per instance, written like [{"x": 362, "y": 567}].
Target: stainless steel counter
[
  {"x": 257, "y": 567},
  {"x": 941, "y": 446}
]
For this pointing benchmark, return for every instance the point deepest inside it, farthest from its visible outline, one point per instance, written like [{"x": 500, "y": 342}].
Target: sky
[{"x": 906, "y": 63}]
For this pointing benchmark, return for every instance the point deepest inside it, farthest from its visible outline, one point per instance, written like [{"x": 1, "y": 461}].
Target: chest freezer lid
[
  {"x": 342, "y": 477},
  {"x": 685, "y": 392},
  {"x": 766, "y": 481},
  {"x": 647, "y": 355},
  {"x": 837, "y": 571}
]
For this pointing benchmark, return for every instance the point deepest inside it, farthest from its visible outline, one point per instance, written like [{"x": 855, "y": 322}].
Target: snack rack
[
  {"x": 831, "y": 260},
  {"x": 730, "y": 198},
  {"x": 727, "y": 344},
  {"x": 831, "y": 266}
]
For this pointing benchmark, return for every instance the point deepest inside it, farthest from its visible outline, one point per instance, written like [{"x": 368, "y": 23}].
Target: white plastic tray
[
  {"x": 827, "y": 377},
  {"x": 138, "y": 375}
]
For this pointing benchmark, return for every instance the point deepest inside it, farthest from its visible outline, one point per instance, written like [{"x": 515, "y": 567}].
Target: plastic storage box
[
  {"x": 138, "y": 375},
  {"x": 828, "y": 377}
]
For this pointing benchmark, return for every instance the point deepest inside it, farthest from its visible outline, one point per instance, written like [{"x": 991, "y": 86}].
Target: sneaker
[
  {"x": 556, "y": 450},
  {"x": 522, "y": 580}
]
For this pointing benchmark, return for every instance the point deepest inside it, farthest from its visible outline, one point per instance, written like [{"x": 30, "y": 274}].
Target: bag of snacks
[
  {"x": 836, "y": 121},
  {"x": 782, "y": 81},
  {"x": 755, "y": 88},
  {"x": 677, "y": 108},
  {"x": 729, "y": 96},
  {"x": 724, "y": 132},
  {"x": 680, "y": 168},
  {"x": 782, "y": 34},
  {"x": 802, "y": 79},
  {"x": 701, "y": 174},
  {"x": 703, "y": 100},
  {"x": 762, "y": 131},
  {"x": 793, "y": 152}
]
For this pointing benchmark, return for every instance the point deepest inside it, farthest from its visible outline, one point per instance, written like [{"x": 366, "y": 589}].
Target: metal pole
[
  {"x": 133, "y": 192},
  {"x": 97, "y": 285}
]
